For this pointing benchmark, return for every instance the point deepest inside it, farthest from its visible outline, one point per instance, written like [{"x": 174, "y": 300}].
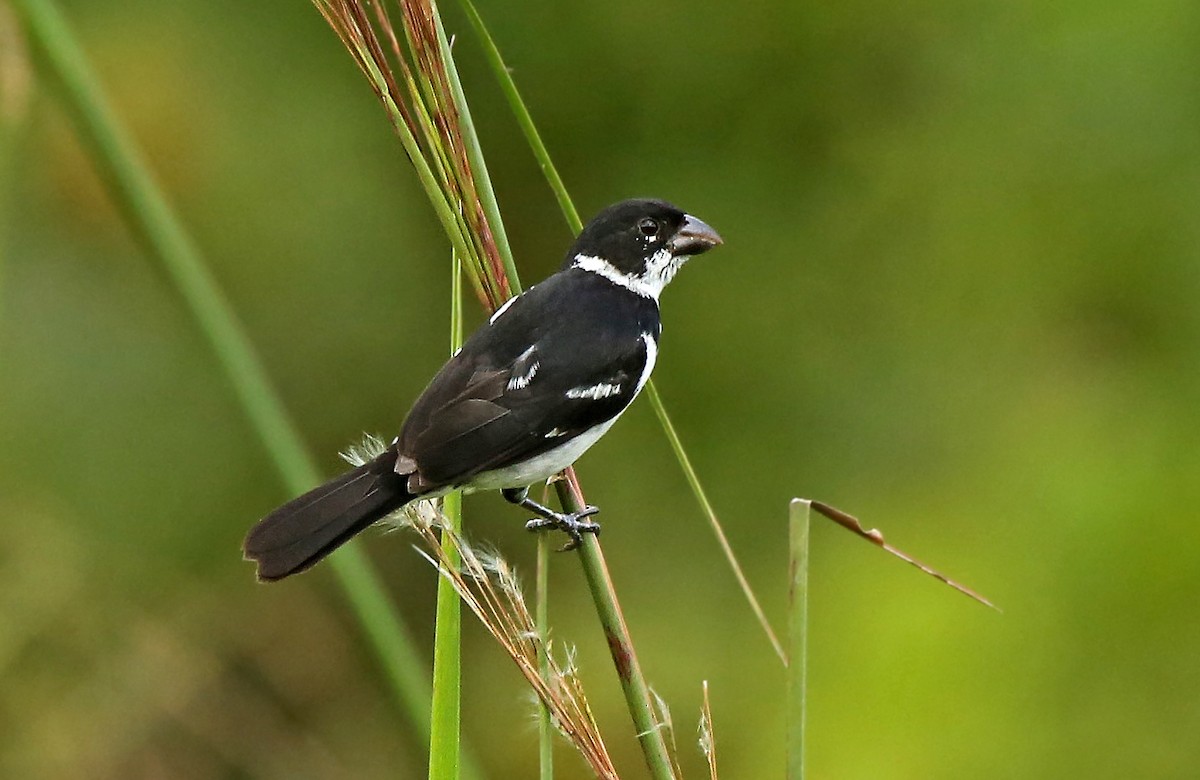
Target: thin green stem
[
  {"x": 517, "y": 105},
  {"x": 797, "y": 693},
  {"x": 706, "y": 506},
  {"x": 446, "y": 707},
  {"x": 483, "y": 181},
  {"x": 491, "y": 209},
  {"x": 620, "y": 644},
  {"x": 524, "y": 119},
  {"x": 146, "y": 210},
  {"x": 445, "y": 213},
  {"x": 447, "y": 659}
]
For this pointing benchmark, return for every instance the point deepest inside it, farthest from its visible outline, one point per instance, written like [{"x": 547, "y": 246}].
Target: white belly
[
  {"x": 552, "y": 461},
  {"x": 542, "y": 467}
]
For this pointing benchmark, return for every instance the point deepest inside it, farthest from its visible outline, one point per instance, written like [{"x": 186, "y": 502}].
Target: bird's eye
[{"x": 649, "y": 227}]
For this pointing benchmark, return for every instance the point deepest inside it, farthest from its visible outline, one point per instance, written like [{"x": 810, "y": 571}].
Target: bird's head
[{"x": 640, "y": 244}]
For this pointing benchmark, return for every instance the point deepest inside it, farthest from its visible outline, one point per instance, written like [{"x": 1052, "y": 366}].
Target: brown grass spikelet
[{"x": 410, "y": 74}]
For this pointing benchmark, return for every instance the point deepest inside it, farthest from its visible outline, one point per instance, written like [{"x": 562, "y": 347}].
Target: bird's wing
[{"x": 489, "y": 408}]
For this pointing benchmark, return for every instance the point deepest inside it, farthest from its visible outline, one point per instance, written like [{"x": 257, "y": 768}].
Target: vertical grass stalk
[
  {"x": 524, "y": 118},
  {"x": 487, "y": 194},
  {"x": 446, "y": 707},
  {"x": 620, "y": 645},
  {"x": 797, "y": 693},
  {"x": 152, "y": 220}
]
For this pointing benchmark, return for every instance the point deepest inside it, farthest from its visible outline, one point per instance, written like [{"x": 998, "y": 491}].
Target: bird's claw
[{"x": 572, "y": 524}]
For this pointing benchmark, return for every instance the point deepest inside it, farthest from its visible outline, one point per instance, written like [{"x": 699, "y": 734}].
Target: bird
[{"x": 523, "y": 398}]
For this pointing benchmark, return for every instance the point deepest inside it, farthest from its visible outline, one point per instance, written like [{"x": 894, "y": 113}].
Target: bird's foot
[{"x": 572, "y": 524}]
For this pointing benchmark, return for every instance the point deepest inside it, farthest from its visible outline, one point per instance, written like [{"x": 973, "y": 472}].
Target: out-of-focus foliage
[{"x": 958, "y": 298}]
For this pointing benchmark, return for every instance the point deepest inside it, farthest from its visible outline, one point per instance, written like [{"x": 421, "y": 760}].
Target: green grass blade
[
  {"x": 145, "y": 209},
  {"x": 483, "y": 181},
  {"x": 446, "y": 707},
  {"x": 517, "y": 105},
  {"x": 447, "y": 662},
  {"x": 524, "y": 118},
  {"x": 706, "y": 506},
  {"x": 595, "y": 570},
  {"x": 797, "y": 693},
  {"x": 616, "y": 633},
  {"x": 451, "y": 223}
]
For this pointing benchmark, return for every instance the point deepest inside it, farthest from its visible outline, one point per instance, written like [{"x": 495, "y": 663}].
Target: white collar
[{"x": 660, "y": 269}]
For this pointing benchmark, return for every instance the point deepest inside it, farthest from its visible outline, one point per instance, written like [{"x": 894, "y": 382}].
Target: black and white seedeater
[{"x": 527, "y": 394}]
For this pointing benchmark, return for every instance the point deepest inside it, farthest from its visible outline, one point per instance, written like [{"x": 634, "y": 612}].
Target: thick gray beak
[{"x": 693, "y": 238}]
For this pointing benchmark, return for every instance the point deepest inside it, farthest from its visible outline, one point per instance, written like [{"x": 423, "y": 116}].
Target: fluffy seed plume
[
  {"x": 662, "y": 719},
  {"x": 490, "y": 587},
  {"x": 488, "y": 584},
  {"x": 708, "y": 742}
]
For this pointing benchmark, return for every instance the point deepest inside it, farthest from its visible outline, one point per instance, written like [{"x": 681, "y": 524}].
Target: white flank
[
  {"x": 541, "y": 467},
  {"x": 660, "y": 269},
  {"x": 595, "y": 392},
  {"x": 651, "y": 357}
]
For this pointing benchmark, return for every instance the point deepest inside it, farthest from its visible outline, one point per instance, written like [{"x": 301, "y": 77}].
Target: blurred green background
[{"x": 958, "y": 297}]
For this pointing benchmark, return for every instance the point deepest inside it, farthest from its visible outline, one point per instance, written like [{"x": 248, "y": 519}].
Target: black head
[{"x": 642, "y": 241}]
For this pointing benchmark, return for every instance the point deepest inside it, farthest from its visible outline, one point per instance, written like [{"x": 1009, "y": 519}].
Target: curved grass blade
[
  {"x": 620, "y": 644},
  {"x": 149, "y": 216},
  {"x": 524, "y": 118}
]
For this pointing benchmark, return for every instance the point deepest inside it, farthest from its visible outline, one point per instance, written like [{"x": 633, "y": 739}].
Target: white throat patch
[{"x": 660, "y": 270}]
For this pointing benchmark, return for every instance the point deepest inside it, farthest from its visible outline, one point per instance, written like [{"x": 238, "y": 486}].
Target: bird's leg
[{"x": 572, "y": 523}]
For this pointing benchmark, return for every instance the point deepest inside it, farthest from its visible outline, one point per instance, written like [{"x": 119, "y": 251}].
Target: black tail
[{"x": 306, "y": 529}]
